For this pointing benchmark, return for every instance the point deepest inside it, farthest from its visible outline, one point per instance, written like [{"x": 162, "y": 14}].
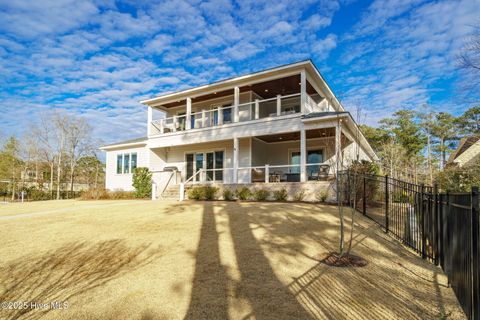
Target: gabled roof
[
  {"x": 125, "y": 143},
  {"x": 463, "y": 146}
]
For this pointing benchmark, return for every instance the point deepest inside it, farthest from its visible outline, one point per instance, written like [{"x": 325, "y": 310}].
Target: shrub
[
  {"x": 280, "y": 195},
  {"x": 142, "y": 182},
  {"x": 402, "y": 196},
  {"x": 321, "y": 196},
  {"x": 209, "y": 193},
  {"x": 243, "y": 193},
  {"x": 261, "y": 194},
  {"x": 103, "y": 194},
  {"x": 298, "y": 196},
  {"x": 228, "y": 195},
  {"x": 195, "y": 193},
  {"x": 35, "y": 194},
  {"x": 202, "y": 193},
  {"x": 122, "y": 195},
  {"x": 364, "y": 167}
]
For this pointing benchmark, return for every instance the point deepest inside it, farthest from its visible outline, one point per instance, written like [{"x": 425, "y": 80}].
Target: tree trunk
[
  {"x": 13, "y": 179},
  {"x": 59, "y": 172},
  {"x": 72, "y": 176},
  {"x": 442, "y": 143},
  {"x": 52, "y": 167}
]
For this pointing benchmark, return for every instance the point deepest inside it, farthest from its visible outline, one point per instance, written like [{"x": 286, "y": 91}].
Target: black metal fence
[{"x": 441, "y": 227}]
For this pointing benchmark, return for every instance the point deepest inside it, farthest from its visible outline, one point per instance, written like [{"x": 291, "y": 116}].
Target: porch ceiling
[
  {"x": 293, "y": 136},
  {"x": 269, "y": 89}
]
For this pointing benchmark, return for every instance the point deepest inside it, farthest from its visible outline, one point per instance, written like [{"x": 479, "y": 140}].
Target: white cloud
[
  {"x": 323, "y": 47},
  {"x": 406, "y": 49},
  {"x": 30, "y": 19}
]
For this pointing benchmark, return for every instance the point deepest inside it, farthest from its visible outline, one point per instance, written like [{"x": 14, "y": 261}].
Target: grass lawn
[{"x": 207, "y": 260}]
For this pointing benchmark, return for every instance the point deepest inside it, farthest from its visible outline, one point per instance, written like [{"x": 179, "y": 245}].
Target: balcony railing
[{"x": 254, "y": 110}]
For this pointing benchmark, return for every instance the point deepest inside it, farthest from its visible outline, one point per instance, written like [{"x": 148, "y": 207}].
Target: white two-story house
[{"x": 281, "y": 126}]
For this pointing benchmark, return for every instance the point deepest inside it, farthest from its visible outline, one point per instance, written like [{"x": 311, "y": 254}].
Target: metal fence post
[
  {"x": 475, "y": 254},
  {"x": 386, "y": 203},
  {"x": 441, "y": 231},
  {"x": 422, "y": 220},
  {"x": 364, "y": 202},
  {"x": 436, "y": 224}
]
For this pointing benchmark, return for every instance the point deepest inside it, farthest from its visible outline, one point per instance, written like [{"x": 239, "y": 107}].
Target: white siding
[
  {"x": 116, "y": 181},
  {"x": 175, "y": 156}
]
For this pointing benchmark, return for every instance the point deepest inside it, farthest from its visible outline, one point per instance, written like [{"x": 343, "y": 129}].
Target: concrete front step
[{"x": 171, "y": 193}]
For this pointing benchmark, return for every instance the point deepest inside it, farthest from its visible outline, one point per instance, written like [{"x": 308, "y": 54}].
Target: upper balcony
[{"x": 280, "y": 95}]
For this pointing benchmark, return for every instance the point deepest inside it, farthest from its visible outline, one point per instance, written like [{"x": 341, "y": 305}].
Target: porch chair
[
  {"x": 258, "y": 175},
  {"x": 322, "y": 173}
]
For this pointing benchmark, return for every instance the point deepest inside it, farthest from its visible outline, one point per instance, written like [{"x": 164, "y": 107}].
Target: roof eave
[{"x": 212, "y": 86}]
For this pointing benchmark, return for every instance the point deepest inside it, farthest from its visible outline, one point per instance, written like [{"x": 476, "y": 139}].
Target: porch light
[{"x": 266, "y": 90}]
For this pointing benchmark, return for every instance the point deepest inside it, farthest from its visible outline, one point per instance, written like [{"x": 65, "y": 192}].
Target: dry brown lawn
[{"x": 207, "y": 260}]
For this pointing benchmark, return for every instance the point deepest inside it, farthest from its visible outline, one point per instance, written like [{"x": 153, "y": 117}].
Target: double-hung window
[{"x": 126, "y": 162}]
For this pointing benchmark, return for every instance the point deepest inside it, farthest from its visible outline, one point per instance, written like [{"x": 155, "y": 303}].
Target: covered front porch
[{"x": 289, "y": 157}]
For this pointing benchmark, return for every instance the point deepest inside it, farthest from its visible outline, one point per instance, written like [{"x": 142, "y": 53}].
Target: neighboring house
[
  {"x": 282, "y": 127},
  {"x": 467, "y": 152}
]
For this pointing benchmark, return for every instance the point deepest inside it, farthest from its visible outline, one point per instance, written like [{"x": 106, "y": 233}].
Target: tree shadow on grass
[
  {"x": 209, "y": 288},
  {"x": 71, "y": 270},
  {"x": 268, "y": 296}
]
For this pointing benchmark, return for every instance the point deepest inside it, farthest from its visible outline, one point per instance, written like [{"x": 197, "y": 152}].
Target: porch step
[{"x": 171, "y": 193}]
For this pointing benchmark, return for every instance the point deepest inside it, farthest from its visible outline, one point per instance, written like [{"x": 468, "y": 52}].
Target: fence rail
[{"x": 441, "y": 227}]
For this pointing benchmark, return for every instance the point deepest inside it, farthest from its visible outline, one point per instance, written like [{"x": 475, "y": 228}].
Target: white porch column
[
  {"x": 149, "y": 120},
  {"x": 235, "y": 159},
  {"x": 174, "y": 123},
  {"x": 220, "y": 116},
  {"x": 236, "y": 102},
  {"x": 204, "y": 119},
  {"x": 303, "y": 156},
  {"x": 303, "y": 91},
  {"x": 257, "y": 109},
  {"x": 338, "y": 146},
  {"x": 279, "y": 104},
  {"x": 188, "y": 117}
]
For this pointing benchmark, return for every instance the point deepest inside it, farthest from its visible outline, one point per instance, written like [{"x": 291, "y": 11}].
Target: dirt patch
[{"x": 334, "y": 259}]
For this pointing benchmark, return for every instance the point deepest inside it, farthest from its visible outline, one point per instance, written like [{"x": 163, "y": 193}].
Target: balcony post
[
  {"x": 257, "y": 109},
  {"x": 236, "y": 102},
  {"x": 235, "y": 159},
  {"x": 162, "y": 127},
  {"x": 149, "y": 120},
  {"x": 303, "y": 91},
  {"x": 267, "y": 173},
  {"x": 303, "y": 155},
  {"x": 204, "y": 118},
  {"x": 220, "y": 116},
  {"x": 279, "y": 104},
  {"x": 338, "y": 146},
  {"x": 188, "y": 115},
  {"x": 174, "y": 123}
]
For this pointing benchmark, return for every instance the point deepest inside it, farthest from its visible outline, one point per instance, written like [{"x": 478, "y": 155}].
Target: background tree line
[
  {"x": 52, "y": 156},
  {"x": 415, "y": 145}
]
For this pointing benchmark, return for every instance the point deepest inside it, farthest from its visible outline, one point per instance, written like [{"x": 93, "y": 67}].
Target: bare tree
[
  {"x": 43, "y": 132},
  {"x": 79, "y": 143},
  {"x": 469, "y": 61},
  {"x": 470, "y": 56}
]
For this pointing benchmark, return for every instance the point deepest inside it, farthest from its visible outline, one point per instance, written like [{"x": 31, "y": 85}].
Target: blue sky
[{"x": 99, "y": 58}]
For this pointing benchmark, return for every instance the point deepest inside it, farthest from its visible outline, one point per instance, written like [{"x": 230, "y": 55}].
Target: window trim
[{"x": 123, "y": 162}]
